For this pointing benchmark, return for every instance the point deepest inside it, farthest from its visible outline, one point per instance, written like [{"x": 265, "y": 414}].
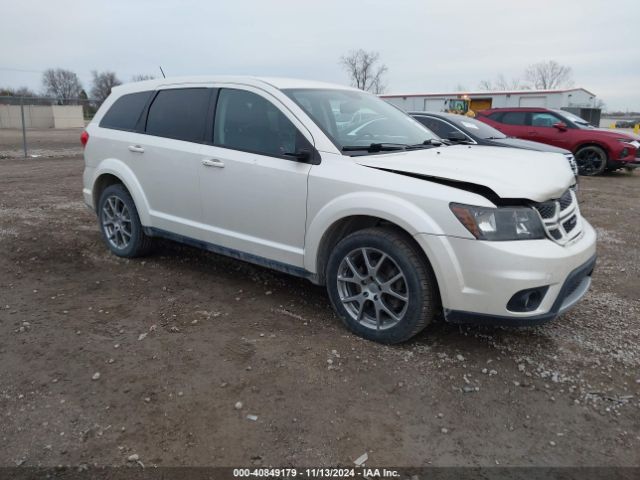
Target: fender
[
  {"x": 119, "y": 169},
  {"x": 596, "y": 143},
  {"x": 403, "y": 213}
]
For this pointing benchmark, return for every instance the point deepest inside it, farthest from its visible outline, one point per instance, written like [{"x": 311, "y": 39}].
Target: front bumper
[
  {"x": 478, "y": 278},
  {"x": 574, "y": 288},
  {"x": 629, "y": 161}
]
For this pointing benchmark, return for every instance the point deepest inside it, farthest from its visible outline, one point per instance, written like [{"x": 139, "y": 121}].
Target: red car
[{"x": 595, "y": 149}]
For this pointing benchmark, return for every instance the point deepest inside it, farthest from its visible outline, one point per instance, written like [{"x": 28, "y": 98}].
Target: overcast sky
[{"x": 428, "y": 46}]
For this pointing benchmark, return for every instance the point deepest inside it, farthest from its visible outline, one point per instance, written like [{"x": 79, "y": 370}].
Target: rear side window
[
  {"x": 439, "y": 127},
  {"x": 514, "y": 118},
  {"x": 180, "y": 114},
  {"x": 125, "y": 112}
]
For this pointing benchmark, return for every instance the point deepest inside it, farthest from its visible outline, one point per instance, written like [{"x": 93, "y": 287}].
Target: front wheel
[
  {"x": 381, "y": 286},
  {"x": 591, "y": 160}
]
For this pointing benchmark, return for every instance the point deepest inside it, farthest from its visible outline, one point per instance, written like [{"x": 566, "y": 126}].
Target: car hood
[
  {"x": 509, "y": 173},
  {"x": 528, "y": 145},
  {"x": 612, "y": 133}
]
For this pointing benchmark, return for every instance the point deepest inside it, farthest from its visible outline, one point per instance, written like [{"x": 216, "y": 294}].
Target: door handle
[
  {"x": 213, "y": 162},
  {"x": 136, "y": 149}
]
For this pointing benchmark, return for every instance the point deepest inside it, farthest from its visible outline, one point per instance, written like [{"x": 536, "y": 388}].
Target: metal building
[{"x": 569, "y": 99}]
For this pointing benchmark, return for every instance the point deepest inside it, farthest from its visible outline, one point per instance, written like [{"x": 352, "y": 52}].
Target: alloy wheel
[
  {"x": 116, "y": 222},
  {"x": 590, "y": 161},
  {"x": 373, "y": 288}
]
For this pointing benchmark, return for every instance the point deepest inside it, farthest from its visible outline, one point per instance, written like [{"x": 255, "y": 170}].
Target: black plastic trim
[
  {"x": 230, "y": 252},
  {"x": 462, "y": 317}
]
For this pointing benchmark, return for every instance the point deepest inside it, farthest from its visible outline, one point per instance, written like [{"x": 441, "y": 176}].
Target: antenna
[{"x": 162, "y": 71}]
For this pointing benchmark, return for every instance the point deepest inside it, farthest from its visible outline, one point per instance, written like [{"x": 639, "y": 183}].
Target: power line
[{"x": 7, "y": 69}]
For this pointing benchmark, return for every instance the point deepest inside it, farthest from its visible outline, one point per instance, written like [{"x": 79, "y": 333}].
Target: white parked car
[{"x": 400, "y": 228}]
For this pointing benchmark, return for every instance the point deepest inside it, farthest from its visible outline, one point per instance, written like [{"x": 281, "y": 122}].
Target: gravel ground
[{"x": 188, "y": 358}]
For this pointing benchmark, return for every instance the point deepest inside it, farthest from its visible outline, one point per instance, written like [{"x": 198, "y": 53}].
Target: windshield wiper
[
  {"x": 375, "y": 147},
  {"x": 497, "y": 138},
  {"x": 431, "y": 142}
]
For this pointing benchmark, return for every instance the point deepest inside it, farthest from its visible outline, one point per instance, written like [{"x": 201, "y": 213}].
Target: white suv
[{"x": 335, "y": 185}]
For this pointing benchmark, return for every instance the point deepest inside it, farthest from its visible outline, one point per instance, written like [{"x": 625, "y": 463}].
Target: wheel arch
[
  {"x": 593, "y": 143},
  {"x": 113, "y": 171},
  {"x": 347, "y": 225}
]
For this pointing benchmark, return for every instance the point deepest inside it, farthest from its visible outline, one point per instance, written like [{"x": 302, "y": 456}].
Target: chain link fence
[{"x": 43, "y": 126}]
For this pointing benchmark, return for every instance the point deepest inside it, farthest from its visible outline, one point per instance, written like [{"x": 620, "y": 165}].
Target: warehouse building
[{"x": 572, "y": 99}]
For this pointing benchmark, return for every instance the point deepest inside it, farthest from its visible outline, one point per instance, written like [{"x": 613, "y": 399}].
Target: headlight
[
  {"x": 629, "y": 141},
  {"x": 500, "y": 224}
]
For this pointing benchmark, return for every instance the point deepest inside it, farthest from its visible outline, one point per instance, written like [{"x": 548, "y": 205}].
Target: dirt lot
[
  {"x": 103, "y": 358},
  {"x": 41, "y": 142}
]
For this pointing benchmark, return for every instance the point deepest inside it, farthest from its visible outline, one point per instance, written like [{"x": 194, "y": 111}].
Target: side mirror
[
  {"x": 305, "y": 155},
  {"x": 457, "y": 137},
  {"x": 560, "y": 126}
]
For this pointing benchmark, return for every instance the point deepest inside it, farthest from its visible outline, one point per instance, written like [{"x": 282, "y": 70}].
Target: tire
[
  {"x": 389, "y": 253},
  {"x": 591, "y": 160},
  {"x": 120, "y": 224}
]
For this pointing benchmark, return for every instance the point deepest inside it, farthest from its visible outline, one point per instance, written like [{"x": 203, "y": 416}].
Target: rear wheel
[
  {"x": 591, "y": 160},
  {"x": 120, "y": 224},
  {"x": 381, "y": 286}
]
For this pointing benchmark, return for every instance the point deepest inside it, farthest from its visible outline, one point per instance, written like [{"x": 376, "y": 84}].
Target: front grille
[
  {"x": 570, "y": 224},
  {"x": 565, "y": 200},
  {"x": 572, "y": 163},
  {"x": 555, "y": 234},
  {"x": 561, "y": 217},
  {"x": 546, "y": 209}
]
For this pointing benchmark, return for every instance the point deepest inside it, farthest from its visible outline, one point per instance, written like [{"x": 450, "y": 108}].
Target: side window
[
  {"x": 438, "y": 127},
  {"x": 248, "y": 122},
  {"x": 125, "y": 112},
  {"x": 543, "y": 119},
  {"x": 514, "y": 118},
  {"x": 179, "y": 114}
]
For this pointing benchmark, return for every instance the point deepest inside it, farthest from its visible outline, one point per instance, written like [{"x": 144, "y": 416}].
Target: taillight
[{"x": 84, "y": 138}]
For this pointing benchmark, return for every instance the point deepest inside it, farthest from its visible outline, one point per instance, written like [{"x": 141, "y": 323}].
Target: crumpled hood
[{"x": 509, "y": 172}]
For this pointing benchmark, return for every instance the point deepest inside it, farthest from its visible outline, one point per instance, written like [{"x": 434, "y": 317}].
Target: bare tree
[
  {"x": 485, "y": 85},
  {"x": 549, "y": 75},
  {"x": 500, "y": 83},
  {"x": 17, "y": 92},
  {"x": 102, "y": 84},
  {"x": 141, "y": 77},
  {"x": 364, "y": 70},
  {"x": 61, "y": 84}
]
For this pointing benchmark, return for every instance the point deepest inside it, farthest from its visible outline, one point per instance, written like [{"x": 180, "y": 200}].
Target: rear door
[
  {"x": 166, "y": 159},
  {"x": 254, "y": 195},
  {"x": 513, "y": 124}
]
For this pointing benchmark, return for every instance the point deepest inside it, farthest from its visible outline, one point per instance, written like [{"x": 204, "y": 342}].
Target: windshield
[
  {"x": 580, "y": 122},
  {"x": 355, "y": 119},
  {"x": 477, "y": 128}
]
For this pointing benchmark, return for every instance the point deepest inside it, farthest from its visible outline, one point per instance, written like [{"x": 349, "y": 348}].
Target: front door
[
  {"x": 542, "y": 129},
  {"x": 254, "y": 192}
]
